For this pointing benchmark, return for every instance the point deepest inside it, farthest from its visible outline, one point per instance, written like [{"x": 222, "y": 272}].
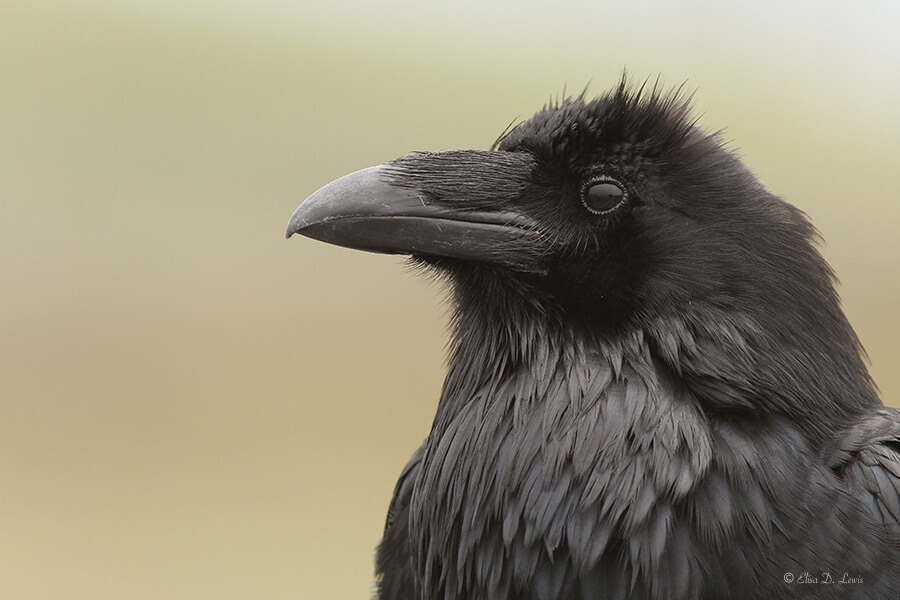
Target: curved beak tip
[
  {"x": 291, "y": 229},
  {"x": 345, "y": 197},
  {"x": 298, "y": 220}
]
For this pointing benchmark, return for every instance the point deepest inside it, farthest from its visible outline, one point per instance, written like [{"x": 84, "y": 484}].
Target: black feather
[{"x": 673, "y": 406}]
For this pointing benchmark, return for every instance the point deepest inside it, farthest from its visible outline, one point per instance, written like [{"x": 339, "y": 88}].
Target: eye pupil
[{"x": 603, "y": 196}]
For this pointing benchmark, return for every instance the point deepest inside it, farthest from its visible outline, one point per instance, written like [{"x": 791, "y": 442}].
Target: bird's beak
[{"x": 406, "y": 208}]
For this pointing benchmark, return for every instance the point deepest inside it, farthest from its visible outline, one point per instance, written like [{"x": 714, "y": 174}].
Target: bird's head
[
  {"x": 619, "y": 213},
  {"x": 620, "y": 208}
]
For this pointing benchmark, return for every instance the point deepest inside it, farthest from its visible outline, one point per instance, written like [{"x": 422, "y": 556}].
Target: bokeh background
[{"x": 193, "y": 407}]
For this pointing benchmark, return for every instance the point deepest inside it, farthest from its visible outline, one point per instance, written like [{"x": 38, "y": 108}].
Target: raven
[{"x": 653, "y": 392}]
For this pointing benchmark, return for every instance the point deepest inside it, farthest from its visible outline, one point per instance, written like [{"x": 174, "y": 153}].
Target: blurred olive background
[{"x": 193, "y": 407}]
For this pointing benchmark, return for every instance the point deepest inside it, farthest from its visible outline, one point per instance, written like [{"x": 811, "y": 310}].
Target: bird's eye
[{"x": 603, "y": 196}]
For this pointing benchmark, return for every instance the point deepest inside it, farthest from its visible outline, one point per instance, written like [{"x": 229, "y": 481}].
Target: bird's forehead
[
  {"x": 572, "y": 125},
  {"x": 621, "y": 125}
]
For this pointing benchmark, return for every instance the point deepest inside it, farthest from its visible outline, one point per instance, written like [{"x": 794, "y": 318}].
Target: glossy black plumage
[{"x": 663, "y": 401}]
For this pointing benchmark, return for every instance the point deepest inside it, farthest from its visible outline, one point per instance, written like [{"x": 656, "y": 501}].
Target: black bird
[{"x": 653, "y": 392}]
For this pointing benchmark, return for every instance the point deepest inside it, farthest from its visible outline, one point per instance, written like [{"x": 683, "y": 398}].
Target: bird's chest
[{"x": 550, "y": 478}]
